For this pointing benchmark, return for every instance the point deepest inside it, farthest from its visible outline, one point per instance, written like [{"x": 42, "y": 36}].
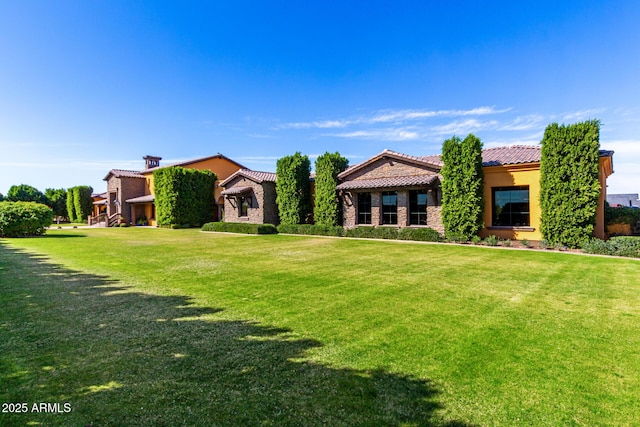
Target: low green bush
[
  {"x": 373, "y": 232},
  {"x": 239, "y": 227},
  {"x": 419, "y": 234},
  {"x": 626, "y": 246},
  {"x": 311, "y": 229},
  {"x": 24, "y": 219},
  {"x": 491, "y": 240}
]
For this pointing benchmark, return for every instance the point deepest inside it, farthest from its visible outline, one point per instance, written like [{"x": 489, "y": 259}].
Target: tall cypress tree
[
  {"x": 569, "y": 186},
  {"x": 327, "y": 209},
  {"x": 462, "y": 187},
  {"x": 71, "y": 206},
  {"x": 293, "y": 189}
]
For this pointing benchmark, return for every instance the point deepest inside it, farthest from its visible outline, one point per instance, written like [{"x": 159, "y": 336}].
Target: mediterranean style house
[
  {"x": 130, "y": 194},
  {"x": 397, "y": 190}
]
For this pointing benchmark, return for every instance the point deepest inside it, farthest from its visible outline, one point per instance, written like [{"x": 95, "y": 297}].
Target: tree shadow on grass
[{"x": 125, "y": 358}]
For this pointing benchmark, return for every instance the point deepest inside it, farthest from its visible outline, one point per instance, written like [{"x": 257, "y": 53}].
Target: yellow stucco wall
[
  {"x": 508, "y": 176},
  {"x": 529, "y": 174}
]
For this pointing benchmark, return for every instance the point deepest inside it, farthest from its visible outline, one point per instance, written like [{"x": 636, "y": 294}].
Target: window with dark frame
[
  {"x": 510, "y": 206},
  {"x": 364, "y": 208},
  {"x": 418, "y": 207},
  {"x": 390, "y": 207},
  {"x": 245, "y": 204}
]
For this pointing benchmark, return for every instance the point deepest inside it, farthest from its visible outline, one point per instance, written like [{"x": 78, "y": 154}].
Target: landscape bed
[{"x": 179, "y": 327}]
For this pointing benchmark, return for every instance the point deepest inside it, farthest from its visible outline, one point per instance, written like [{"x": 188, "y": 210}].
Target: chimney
[{"x": 151, "y": 162}]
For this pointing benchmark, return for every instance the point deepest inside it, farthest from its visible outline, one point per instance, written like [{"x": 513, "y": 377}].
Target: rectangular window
[
  {"x": 418, "y": 207},
  {"x": 511, "y": 206},
  {"x": 390, "y": 207},
  {"x": 245, "y": 204},
  {"x": 364, "y": 208}
]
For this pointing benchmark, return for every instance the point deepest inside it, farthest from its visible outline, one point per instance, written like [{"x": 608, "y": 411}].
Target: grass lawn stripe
[{"x": 473, "y": 335}]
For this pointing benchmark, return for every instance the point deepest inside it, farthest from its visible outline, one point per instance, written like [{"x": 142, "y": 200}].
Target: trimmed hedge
[
  {"x": 419, "y": 234},
  {"x": 293, "y": 189},
  {"x": 462, "y": 187},
  {"x": 24, "y": 219},
  {"x": 569, "y": 186},
  {"x": 328, "y": 209},
  {"x": 626, "y": 246},
  {"x": 315, "y": 230},
  {"x": 183, "y": 196},
  {"x": 240, "y": 227},
  {"x": 372, "y": 232},
  {"x": 71, "y": 206}
]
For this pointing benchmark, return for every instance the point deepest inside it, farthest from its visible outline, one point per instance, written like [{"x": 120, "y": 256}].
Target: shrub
[
  {"x": 317, "y": 230},
  {"x": 476, "y": 239},
  {"x": 462, "y": 188},
  {"x": 506, "y": 243},
  {"x": 626, "y": 246},
  {"x": 293, "y": 189},
  {"x": 183, "y": 196},
  {"x": 23, "y": 219},
  {"x": 327, "y": 208},
  {"x": 491, "y": 240},
  {"x": 372, "y": 232},
  {"x": 525, "y": 243},
  {"x": 569, "y": 186},
  {"x": 239, "y": 227},
  {"x": 419, "y": 234}
]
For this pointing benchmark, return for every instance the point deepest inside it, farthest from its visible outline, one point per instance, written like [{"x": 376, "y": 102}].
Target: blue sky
[{"x": 90, "y": 86}]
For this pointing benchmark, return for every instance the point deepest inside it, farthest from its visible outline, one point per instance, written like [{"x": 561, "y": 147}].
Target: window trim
[
  {"x": 393, "y": 213},
  {"x": 493, "y": 208},
  {"x": 366, "y": 214},
  {"x": 418, "y": 211}
]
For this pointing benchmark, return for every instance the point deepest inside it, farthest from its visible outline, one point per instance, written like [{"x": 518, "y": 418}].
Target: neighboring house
[
  {"x": 250, "y": 196},
  {"x": 130, "y": 194},
  {"x": 623, "y": 200},
  {"x": 394, "y": 189}
]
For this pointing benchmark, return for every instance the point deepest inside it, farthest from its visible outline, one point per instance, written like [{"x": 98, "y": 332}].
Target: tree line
[{"x": 74, "y": 204}]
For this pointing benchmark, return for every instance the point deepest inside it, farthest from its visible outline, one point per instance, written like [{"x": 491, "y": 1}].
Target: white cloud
[
  {"x": 386, "y": 116},
  {"x": 581, "y": 114},
  {"x": 380, "y": 134},
  {"x": 463, "y": 127}
]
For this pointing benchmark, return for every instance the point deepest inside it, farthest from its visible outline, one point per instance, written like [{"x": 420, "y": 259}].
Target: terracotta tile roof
[
  {"x": 236, "y": 190},
  {"x": 256, "y": 176},
  {"x": 510, "y": 155},
  {"x": 120, "y": 173},
  {"x": 423, "y": 161},
  {"x": 142, "y": 199},
  {"x": 391, "y": 182}
]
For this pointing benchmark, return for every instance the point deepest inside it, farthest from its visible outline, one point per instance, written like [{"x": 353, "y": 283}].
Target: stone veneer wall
[
  {"x": 263, "y": 209},
  {"x": 350, "y": 209},
  {"x": 125, "y": 188}
]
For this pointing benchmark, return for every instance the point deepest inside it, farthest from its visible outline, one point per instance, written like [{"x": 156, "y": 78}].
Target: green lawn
[{"x": 179, "y": 327}]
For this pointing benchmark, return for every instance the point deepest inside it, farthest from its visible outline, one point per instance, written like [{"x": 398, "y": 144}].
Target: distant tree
[
  {"x": 1, "y": 197},
  {"x": 83, "y": 203},
  {"x": 327, "y": 209},
  {"x": 293, "y": 189},
  {"x": 57, "y": 201},
  {"x": 569, "y": 185},
  {"x": 25, "y": 193},
  {"x": 462, "y": 187}
]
